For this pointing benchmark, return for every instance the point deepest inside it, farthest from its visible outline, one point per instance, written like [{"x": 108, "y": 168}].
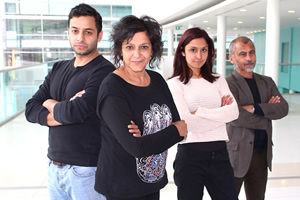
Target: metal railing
[{"x": 17, "y": 85}]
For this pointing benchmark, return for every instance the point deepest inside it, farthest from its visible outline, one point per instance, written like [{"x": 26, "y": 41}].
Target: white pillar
[
  {"x": 2, "y": 29},
  {"x": 221, "y": 45},
  {"x": 272, "y": 39},
  {"x": 170, "y": 42}
]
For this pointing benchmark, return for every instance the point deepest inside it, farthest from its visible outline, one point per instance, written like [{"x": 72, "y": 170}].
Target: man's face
[
  {"x": 83, "y": 35},
  {"x": 244, "y": 57}
]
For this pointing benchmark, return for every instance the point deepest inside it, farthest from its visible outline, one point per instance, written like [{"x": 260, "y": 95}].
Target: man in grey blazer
[{"x": 250, "y": 136}]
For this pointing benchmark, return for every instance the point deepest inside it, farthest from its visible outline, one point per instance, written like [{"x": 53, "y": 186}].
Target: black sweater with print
[{"x": 130, "y": 167}]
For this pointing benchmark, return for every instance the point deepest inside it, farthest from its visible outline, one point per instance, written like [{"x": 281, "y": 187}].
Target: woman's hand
[
  {"x": 134, "y": 129},
  {"x": 181, "y": 127},
  {"x": 226, "y": 100}
]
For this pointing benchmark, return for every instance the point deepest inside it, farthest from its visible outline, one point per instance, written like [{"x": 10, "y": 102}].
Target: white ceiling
[{"x": 208, "y": 10}]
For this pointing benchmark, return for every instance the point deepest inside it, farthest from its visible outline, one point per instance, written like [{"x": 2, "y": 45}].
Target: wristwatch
[{"x": 253, "y": 108}]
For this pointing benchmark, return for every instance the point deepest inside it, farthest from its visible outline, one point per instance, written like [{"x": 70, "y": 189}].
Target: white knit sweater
[{"x": 209, "y": 122}]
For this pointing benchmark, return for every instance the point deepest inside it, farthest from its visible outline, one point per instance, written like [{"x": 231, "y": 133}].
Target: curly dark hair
[
  {"x": 125, "y": 30},
  {"x": 180, "y": 66},
  {"x": 86, "y": 10}
]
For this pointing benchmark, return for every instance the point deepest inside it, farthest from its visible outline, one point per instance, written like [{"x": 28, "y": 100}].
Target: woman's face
[
  {"x": 137, "y": 52},
  {"x": 196, "y": 53}
]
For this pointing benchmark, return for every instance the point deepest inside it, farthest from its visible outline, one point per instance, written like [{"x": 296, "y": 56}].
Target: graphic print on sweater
[{"x": 151, "y": 169}]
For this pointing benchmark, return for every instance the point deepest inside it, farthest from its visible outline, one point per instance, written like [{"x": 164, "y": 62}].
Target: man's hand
[
  {"x": 51, "y": 121},
  {"x": 49, "y": 104},
  {"x": 275, "y": 99},
  {"x": 134, "y": 129},
  {"x": 249, "y": 108},
  {"x": 78, "y": 94}
]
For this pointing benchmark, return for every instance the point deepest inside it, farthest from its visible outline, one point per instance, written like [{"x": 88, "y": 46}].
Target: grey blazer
[{"x": 241, "y": 130}]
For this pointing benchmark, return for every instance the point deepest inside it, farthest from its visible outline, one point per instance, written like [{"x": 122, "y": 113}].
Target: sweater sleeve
[
  {"x": 79, "y": 109},
  {"x": 35, "y": 112},
  {"x": 225, "y": 113},
  {"x": 195, "y": 123},
  {"x": 117, "y": 116}
]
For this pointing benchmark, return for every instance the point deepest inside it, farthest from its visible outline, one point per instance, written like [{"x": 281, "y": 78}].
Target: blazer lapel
[{"x": 244, "y": 89}]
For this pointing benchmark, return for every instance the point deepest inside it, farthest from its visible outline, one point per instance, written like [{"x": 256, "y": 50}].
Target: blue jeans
[{"x": 71, "y": 182}]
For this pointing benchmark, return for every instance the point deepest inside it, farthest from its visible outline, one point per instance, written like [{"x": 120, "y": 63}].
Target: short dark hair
[
  {"x": 125, "y": 30},
  {"x": 242, "y": 39},
  {"x": 86, "y": 10},
  {"x": 180, "y": 66}
]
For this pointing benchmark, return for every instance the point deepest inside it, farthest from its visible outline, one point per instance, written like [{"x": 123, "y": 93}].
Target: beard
[
  {"x": 83, "y": 53},
  {"x": 87, "y": 51},
  {"x": 248, "y": 67}
]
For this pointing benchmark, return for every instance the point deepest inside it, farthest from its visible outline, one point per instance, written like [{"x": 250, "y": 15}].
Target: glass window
[
  {"x": 106, "y": 24},
  {"x": 285, "y": 56},
  {"x": 11, "y": 25},
  {"x": 61, "y": 7},
  {"x": 57, "y": 27},
  {"x": 10, "y": 8},
  {"x": 121, "y": 11},
  {"x": 33, "y": 7},
  {"x": 28, "y": 26},
  {"x": 103, "y": 10}
]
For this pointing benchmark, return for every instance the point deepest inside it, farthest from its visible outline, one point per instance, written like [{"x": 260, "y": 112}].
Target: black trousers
[
  {"x": 153, "y": 196},
  {"x": 196, "y": 169},
  {"x": 255, "y": 180}
]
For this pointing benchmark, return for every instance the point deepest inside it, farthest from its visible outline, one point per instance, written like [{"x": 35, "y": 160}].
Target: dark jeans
[
  {"x": 153, "y": 196},
  {"x": 195, "y": 168},
  {"x": 255, "y": 180}
]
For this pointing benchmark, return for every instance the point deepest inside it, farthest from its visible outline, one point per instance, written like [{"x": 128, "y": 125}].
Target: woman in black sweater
[{"x": 134, "y": 167}]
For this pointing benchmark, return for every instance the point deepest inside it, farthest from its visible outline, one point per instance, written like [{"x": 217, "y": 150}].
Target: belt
[{"x": 58, "y": 163}]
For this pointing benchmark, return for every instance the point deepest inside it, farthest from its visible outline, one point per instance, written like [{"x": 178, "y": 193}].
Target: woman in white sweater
[{"x": 204, "y": 101}]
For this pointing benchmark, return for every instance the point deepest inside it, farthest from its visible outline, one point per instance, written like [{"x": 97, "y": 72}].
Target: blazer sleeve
[
  {"x": 273, "y": 111},
  {"x": 245, "y": 119}
]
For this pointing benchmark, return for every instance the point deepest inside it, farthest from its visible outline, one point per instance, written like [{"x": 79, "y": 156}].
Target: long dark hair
[
  {"x": 125, "y": 30},
  {"x": 180, "y": 66}
]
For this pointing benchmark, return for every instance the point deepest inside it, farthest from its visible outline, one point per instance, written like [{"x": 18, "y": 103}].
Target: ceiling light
[
  {"x": 235, "y": 29},
  {"x": 243, "y": 10},
  {"x": 208, "y": 28},
  {"x": 239, "y": 22},
  {"x": 291, "y": 11},
  {"x": 205, "y": 21},
  {"x": 262, "y": 17}
]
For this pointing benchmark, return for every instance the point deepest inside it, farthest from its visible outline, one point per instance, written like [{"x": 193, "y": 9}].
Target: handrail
[
  {"x": 11, "y": 68},
  {"x": 284, "y": 64}
]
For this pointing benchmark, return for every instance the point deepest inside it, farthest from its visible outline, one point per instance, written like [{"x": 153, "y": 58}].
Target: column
[
  {"x": 170, "y": 42},
  {"x": 272, "y": 39},
  {"x": 221, "y": 45},
  {"x": 2, "y": 62}
]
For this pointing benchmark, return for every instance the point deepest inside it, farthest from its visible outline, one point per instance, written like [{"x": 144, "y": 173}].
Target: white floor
[{"x": 23, "y": 161}]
